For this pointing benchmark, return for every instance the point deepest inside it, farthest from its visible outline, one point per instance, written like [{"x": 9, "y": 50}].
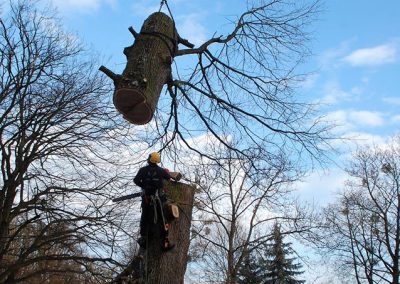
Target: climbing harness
[{"x": 156, "y": 202}]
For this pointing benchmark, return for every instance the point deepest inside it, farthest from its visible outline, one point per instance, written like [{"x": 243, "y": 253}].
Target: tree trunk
[
  {"x": 165, "y": 267},
  {"x": 148, "y": 68}
]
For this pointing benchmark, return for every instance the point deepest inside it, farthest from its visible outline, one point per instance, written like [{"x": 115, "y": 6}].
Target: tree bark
[
  {"x": 138, "y": 88},
  {"x": 165, "y": 267}
]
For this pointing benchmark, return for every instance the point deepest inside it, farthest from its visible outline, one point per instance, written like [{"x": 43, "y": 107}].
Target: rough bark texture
[
  {"x": 160, "y": 267},
  {"x": 148, "y": 68},
  {"x": 169, "y": 267}
]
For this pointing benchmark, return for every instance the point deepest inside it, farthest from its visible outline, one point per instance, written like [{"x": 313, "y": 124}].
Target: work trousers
[{"x": 152, "y": 215}]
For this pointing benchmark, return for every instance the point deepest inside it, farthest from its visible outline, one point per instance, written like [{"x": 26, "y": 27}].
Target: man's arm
[
  {"x": 165, "y": 174},
  {"x": 176, "y": 176},
  {"x": 138, "y": 180}
]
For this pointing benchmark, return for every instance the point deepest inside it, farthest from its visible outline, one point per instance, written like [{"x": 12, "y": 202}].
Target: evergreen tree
[
  {"x": 279, "y": 267},
  {"x": 249, "y": 270}
]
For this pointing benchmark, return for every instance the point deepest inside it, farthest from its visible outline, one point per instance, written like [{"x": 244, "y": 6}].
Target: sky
[{"x": 354, "y": 67}]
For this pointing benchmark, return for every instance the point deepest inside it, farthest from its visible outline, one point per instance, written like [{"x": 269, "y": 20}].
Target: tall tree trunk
[{"x": 165, "y": 267}]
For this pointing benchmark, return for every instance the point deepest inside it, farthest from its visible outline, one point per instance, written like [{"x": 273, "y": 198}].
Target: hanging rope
[
  {"x": 164, "y": 2},
  {"x": 161, "y": 5}
]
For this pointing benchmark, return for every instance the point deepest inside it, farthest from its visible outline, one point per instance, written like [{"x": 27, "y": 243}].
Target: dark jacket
[{"x": 151, "y": 178}]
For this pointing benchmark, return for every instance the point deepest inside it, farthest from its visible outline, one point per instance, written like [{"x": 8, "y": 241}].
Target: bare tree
[
  {"x": 362, "y": 229},
  {"x": 235, "y": 210},
  {"x": 57, "y": 130},
  {"x": 241, "y": 84}
]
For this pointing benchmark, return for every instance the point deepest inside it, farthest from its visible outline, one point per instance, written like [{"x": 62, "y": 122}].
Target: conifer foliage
[
  {"x": 270, "y": 263},
  {"x": 250, "y": 270},
  {"x": 280, "y": 268}
]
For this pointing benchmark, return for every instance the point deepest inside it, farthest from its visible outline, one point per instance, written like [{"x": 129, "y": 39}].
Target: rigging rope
[{"x": 164, "y": 2}]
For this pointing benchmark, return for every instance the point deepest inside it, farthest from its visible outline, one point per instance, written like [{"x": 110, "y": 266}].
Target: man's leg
[{"x": 144, "y": 223}]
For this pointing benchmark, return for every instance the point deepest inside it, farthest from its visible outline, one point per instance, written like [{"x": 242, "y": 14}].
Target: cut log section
[
  {"x": 148, "y": 68},
  {"x": 176, "y": 175},
  {"x": 132, "y": 105}
]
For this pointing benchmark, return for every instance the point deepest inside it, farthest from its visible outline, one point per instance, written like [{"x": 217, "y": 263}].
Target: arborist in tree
[{"x": 150, "y": 178}]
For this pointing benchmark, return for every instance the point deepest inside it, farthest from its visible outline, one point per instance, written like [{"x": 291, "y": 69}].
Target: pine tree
[
  {"x": 279, "y": 267},
  {"x": 249, "y": 270}
]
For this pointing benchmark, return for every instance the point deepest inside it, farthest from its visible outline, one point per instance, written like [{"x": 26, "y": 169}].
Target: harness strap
[
  {"x": 162, "y": 212},
  {"x": 156, "y": 201}
]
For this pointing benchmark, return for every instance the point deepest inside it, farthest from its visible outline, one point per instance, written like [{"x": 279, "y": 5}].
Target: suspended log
[{"x": 148, "y": 68}]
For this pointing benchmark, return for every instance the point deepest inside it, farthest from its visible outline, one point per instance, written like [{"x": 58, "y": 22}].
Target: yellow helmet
[{"x": 154, "y": 158}]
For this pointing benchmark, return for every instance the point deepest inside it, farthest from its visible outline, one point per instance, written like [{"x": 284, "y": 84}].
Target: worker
[{"x": 150, "y": 178}]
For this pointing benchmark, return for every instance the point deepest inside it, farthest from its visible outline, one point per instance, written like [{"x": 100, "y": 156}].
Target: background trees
[
  {"x": 58, "y": 131},
  {"x": 61, "y": 142},
  {"x": 249, "y": 270},
  {"x": 235, "y": 209},
  {"x": 362, "y": 229},
  {"x": 278, "y": 263},
  {"x": 270, "y": 263}
]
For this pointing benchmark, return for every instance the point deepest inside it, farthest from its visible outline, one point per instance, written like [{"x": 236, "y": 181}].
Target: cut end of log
[{"x": 132, "y": 104}]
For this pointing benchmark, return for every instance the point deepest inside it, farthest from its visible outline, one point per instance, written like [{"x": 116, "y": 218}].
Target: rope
[
  {"x": 155, "y": 200},
  {"x": 161, "y": 5},
  {"x": 162, "y": 210},
  {"x": 154, "y": 203},
  {"x": 164, "y": 2}
]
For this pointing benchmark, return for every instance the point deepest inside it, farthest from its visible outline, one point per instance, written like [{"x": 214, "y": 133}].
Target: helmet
[{"x": 154, "y": 158}]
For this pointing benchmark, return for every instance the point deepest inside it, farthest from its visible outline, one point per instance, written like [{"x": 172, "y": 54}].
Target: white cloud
[
  {"x": 378, "y": 55},
  {"x": 348, "y": 120},
  {"x": 190, "y": 28},
  {"x": 143, "y": 8},
  {"x": 396, "y": 119},
  {"x": 339, "y": 118},
  {"x": 367, "y": 118},
  {"x": 364, "y": 139},
  {"x": 82, "y": 5},
  {"x": 333, "y": 93},
  {"x": 309, "y": 81},
  {"x": 330, "y": 58},
  {"x": 392, "y": 100},
  {"x": 321, "y": 186}
]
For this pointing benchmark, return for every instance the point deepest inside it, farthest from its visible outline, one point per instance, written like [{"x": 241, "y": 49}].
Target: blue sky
[{"x": 355, "y": 63}]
